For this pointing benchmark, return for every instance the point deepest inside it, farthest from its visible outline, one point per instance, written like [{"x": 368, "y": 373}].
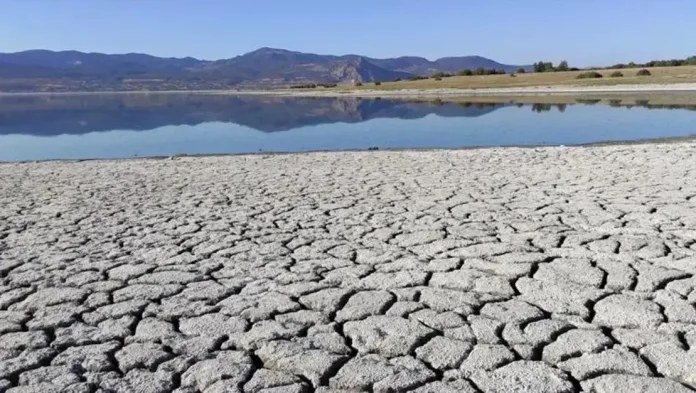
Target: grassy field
[{"x": 660, "y": 75}]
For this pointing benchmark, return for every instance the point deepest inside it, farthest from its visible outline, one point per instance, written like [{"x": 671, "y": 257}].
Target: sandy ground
[{"x": 491, "y": 270}]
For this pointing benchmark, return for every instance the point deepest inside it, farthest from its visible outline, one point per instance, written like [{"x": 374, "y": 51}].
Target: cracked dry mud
[{"x": 500, "y": 270}]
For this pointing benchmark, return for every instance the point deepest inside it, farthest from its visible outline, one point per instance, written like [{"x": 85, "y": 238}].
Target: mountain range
[{"x": 266, "y": 67}]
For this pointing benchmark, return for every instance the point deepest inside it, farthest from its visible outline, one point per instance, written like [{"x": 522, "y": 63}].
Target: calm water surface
[{"x": 118, "y": 126}]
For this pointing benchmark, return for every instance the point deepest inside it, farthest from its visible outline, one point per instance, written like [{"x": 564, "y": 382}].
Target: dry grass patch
[{"x": 659, "y": 75}]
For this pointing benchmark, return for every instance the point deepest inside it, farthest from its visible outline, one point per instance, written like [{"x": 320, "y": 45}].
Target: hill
[{"x": 266, "y": 67}]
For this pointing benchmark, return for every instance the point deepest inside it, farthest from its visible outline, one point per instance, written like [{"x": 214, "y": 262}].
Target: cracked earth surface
[{"x": 498, "y": 270}]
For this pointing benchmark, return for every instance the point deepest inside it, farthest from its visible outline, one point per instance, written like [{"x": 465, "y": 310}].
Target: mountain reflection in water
[
  {"x": 80, "y": 114},
  {"x": 34, "y": 127}
]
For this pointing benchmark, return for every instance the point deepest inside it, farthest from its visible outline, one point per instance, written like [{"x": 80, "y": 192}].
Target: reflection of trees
[
  {"x": 671, "y": 106},
  {"x": 538, "y": 108}
]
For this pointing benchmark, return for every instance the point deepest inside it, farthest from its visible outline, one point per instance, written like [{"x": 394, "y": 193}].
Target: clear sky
[{"x": 585, "y": 32}]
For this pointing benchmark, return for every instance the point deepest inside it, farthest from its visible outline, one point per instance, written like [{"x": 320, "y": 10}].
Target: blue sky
[{"x": 585, "y": 32}]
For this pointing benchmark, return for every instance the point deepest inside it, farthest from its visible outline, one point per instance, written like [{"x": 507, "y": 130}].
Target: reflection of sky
[{"x": 506, "y": 126}]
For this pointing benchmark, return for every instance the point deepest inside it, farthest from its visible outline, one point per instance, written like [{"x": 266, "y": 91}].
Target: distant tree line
[
  {"x": 480, "y": 71},
  {"x": 547, "y": 66},
  {"x": 441, "y": 75},
  {"x": 313, "y": 85},
  {"x": 304, "y": 86},
  {"x": 658, "y": 63}
]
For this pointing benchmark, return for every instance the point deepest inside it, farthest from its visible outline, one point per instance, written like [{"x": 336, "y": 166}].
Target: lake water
[{"x": 118, "y": 126}]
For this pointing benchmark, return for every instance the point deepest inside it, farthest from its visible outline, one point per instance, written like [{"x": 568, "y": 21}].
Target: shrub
[
  {"x": 440, "y": 75},
  {"x": 377, "y": 83},
  {"x": 416, "y": 78},
  {"x": 358, "y": 84},
  {"x": 306, "y": 86},
  {"x": 588, "y": 102},
  {"x": 589, "y": 75},
  {"x": 616, "y": 74},
  {"x": 397, "y": 80},
  {"x": 521, "y": 70},
  {"x": 643, "y": 72},
  {"x": 466, "y": 72}
]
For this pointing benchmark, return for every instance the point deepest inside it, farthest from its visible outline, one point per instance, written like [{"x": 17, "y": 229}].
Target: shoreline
[
  {"x": 530, "y": 91},
  {"x": 408, "y": 93},
  {"x": 687, "y": 140}
]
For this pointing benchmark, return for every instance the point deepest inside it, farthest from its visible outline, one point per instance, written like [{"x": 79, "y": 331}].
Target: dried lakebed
[{"x": 493, "y": 270}]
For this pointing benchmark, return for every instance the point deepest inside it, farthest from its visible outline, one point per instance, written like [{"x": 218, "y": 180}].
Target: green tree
[
  {"x": 521, "y": 70},
  {"x": 562, "y": 66},
  {"x": 480, "y": 71},
  {"x": 543, "y": 66},
  {"x": 466, "y": 72}
]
